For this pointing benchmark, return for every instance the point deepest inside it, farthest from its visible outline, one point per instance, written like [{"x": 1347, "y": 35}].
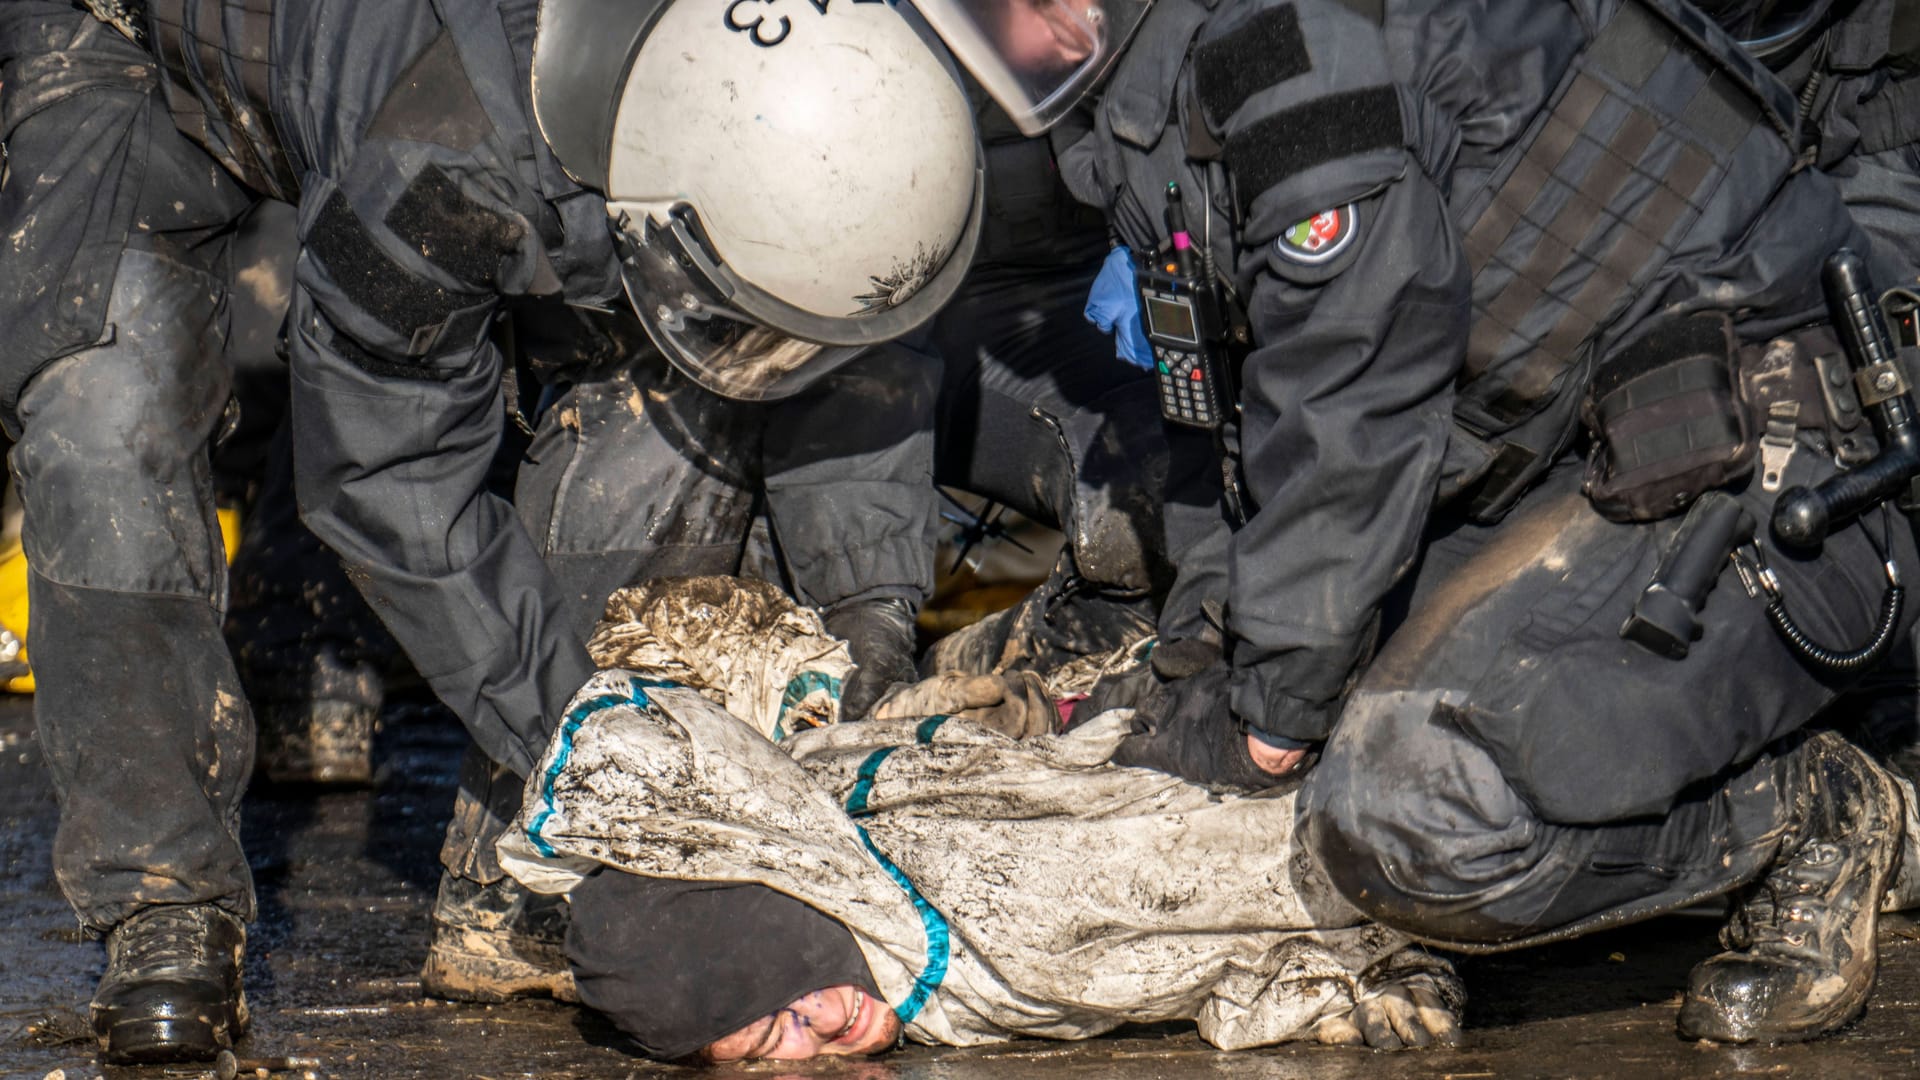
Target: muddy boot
[
  {"x": 1801, "y": 949},
  {"x": 317, "y": 742},
  {"x": 325, "y": 734},
  {"x": 172, "y": 989},
  {"x": 493, "y": 943}
]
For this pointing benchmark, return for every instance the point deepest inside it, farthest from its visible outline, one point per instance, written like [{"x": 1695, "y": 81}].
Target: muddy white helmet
[{"x": 792, "y": 180}]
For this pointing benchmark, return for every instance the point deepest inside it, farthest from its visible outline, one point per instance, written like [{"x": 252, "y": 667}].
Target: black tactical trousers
[
  {"x": 146, "y": 730},
  {"x": 1510, "y": 769},
  {"x": 1038, "y": 413}
]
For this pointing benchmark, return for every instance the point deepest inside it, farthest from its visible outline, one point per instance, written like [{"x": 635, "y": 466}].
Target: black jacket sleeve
[
  {"x": 1348, "y": 406},
  {"x": 398, "y": 412},
  {"x": 1358, "y": 297}
]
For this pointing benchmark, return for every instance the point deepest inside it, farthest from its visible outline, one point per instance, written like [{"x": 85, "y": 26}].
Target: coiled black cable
[{"x": 1833, "y": 660}]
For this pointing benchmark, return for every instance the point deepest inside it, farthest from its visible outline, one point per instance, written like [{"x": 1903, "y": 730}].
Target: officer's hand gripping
[
  {"x": 1183, "y": 724},
  {"x": 1015, "y": 704},
  {"x": 879, "y": 636},
  {"x": 1420, "y": 1008}
]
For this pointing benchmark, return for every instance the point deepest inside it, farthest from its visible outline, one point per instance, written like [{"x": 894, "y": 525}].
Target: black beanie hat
[{"x": 678, "y": 964}]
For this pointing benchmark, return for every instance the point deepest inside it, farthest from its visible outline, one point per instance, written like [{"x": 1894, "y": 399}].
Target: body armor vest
[{"x": 1576, "y": 224}]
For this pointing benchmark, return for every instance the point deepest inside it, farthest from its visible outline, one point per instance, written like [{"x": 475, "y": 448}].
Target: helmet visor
[
  {"x": 693, "y": 319},
  {"x": 1037, "y": 58}
]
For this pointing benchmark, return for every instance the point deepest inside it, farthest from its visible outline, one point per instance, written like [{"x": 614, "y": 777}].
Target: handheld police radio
[{"x": 1180, "y": 311}]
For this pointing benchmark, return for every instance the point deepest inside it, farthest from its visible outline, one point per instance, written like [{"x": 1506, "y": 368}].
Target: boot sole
[
  {"x": 1705, "y": 1022},
  {"x": 487, "y": 980}
]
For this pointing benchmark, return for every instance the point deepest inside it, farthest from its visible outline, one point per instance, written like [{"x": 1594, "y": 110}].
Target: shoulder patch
[{"x": 1321, "y": 238}]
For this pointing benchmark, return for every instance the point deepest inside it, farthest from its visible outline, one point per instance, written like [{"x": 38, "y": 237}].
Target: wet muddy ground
[{"x": 345, "y": 881}]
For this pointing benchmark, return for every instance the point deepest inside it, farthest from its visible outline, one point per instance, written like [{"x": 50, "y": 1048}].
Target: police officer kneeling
[{"x": 1447, "y": 233}]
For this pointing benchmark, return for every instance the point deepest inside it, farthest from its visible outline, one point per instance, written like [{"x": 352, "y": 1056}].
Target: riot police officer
[
  {"x": 741, "y": 192},
  {"x": 1435, "y": 237}
]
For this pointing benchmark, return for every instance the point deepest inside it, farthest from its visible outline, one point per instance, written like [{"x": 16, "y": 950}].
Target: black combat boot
[
  {"x": 493, "y": 943},
  {"x": 172, "y": 989},
  {"x": 316, "y": 722},
  {"x": 1801, "y": 951}
]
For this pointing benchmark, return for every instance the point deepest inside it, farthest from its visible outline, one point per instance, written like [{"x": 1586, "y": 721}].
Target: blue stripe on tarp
[
  {"x": 863, "y": 781},
  {"x": 924, "y": 733},
  {"x": 939, "y": 944},
  {"x": 636, "y": 695},
  {"x": 797, "y": 690}
]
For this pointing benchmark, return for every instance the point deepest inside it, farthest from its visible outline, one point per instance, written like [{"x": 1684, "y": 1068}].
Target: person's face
[
  {"x": 838, "y": 1021},
  {"x": 1044, "y": 36}
]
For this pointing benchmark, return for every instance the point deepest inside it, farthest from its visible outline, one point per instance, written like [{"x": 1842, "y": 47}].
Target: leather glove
[
  {"x": 1015, "y": 704},
  {"x": 1183, "y": 724},
  {"x": 879, "y": 635}
]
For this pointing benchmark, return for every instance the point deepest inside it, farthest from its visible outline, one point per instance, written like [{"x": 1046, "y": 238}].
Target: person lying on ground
[{"x": 922, "y": 877}]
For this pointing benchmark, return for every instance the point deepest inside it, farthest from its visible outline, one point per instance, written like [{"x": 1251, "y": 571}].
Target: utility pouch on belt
[{"x": 1666, "y": 420}]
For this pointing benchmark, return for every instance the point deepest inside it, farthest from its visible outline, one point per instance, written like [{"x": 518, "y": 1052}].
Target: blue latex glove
[{"x": 1113, "y": 305}]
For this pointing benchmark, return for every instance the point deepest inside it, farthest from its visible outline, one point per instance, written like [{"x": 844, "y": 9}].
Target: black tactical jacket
[
  {"x": 427, "y": 198},
  {"x": 1519, "y": 188}
]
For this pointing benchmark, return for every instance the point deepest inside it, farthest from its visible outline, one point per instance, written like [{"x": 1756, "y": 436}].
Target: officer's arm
[
  {"x": 1348, "y": 406},
  {"x": 849, "y": 485},
  {"x": 1359, "y": 302},
  {"x": 397, "y": 415}
]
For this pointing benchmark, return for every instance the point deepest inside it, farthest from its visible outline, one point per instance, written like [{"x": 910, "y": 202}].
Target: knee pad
[
  {"x": 112, "y": 464},
  {"x": 1413, "y": 823}
]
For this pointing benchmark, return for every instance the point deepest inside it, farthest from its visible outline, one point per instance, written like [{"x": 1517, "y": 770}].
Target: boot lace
[{"x": 167, "y": 938}]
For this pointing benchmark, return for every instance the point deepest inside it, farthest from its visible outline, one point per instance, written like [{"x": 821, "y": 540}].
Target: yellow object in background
[{"x": 13, "y": 590}]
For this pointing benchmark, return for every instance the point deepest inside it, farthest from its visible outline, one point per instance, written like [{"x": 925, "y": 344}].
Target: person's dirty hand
[
  {"x": 1015, "y": 704},
  {"x": 1420, "y": 1008},
  {"x": 879, "y": 637}
]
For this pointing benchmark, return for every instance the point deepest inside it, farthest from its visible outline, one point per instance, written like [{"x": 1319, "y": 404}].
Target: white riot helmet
[
  {"x": 1037, "y": 58},
  {"x": 792, "y": 180}
]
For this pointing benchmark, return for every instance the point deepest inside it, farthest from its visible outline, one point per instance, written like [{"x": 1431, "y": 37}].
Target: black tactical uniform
[
  {"x": 424, "y": 197},
  {"x": 1450, "y": 227},
  {"x": 1858, "y": 84}
]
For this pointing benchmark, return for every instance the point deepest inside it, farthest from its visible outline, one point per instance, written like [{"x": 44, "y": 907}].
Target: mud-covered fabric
[
  {"x": 83, "y": 104},
  {"x": 150, "y": 745},
  {"x": 997, "y": 888},
  {"x": 1567, "y": 172},
  {"x": 789, "y": 679}
]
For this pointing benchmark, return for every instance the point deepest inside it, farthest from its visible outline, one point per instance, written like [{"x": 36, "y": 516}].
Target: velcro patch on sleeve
[
  {"x": 1291, "y": 141},
  {"x": 399, "y": 300},
  {"x": 452, "y": 231},
  {"x": 1265, "y": 52}
]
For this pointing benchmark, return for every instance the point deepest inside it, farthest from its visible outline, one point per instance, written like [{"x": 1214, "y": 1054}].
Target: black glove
[
  {"x": 1183, "y": 724},
  {"x": 879, "y": 634}
]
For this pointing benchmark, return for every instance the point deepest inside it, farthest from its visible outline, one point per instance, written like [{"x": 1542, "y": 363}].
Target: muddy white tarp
[{"x": 996, "y": 887}]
